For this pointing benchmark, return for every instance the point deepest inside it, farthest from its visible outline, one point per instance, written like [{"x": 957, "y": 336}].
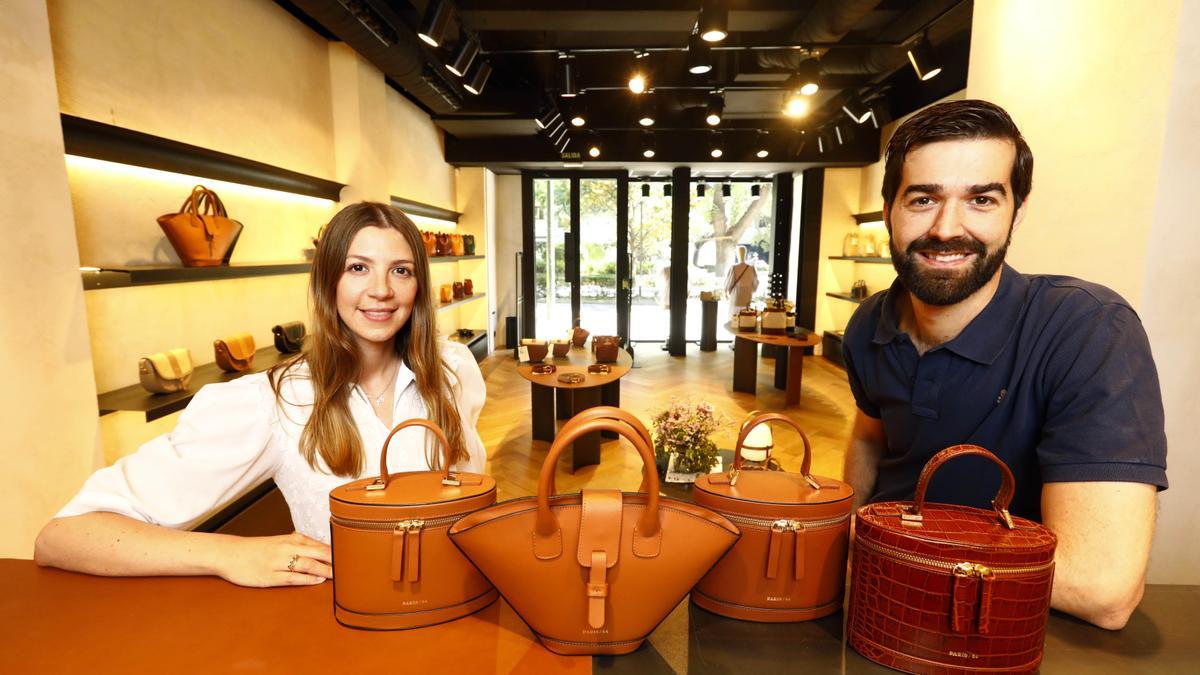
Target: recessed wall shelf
[
  {"x": 94, "y": 279},
  {"x": 862, "y": 259},
  {"x": 477, "y": 296},
  {"x": 135, "y": 399},
  {"x": 427, "y": 210},
  {"x": 869, "y": 217},
  {"x": 454, "y": 258},
  {"x": 88, "y": 138},
  {"x": 846, "y": 296},
  {"x": 477, "y": 343}
]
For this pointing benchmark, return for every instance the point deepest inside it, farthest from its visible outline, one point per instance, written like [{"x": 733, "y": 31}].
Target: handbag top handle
[
  {"x": 756, "y": 418},
  {"x": 203, "y": 200},
  {"x": 609, "y": 412},
  {"x": 384, "y": 476},
  {"x": 1003, "y": 497},
  {"x": 547, "y": 534}
]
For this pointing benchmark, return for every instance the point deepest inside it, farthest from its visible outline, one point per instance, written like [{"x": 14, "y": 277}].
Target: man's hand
[{"x": 1104, "y": 532}]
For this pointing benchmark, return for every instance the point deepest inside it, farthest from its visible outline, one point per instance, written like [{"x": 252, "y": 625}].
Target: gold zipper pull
[
  {"x": 413, "y": 544},
  {"x": 398, "y": 551}
]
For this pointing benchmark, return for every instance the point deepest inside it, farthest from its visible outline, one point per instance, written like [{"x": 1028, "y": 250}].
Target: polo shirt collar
[{"x": 985, "y": 337}]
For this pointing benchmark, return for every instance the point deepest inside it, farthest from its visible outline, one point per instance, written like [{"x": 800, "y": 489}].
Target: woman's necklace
[{"x": 378, "y": 400}]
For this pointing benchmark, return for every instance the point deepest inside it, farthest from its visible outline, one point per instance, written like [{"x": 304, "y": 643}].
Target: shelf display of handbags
[
  {"x": 982, "y": 577},
  {"x": 457, "y": 290},
  {"x": 790, "y": 562},
  {"x": 201, "y": 232},
  {"x": 166, "y": 372},
  {"x": 456, "y": 245},
  {"x": 859, "y": 290},
  {"x": 289, "y": 337},
  {"x": 444, "y": 248},
  {"x": 396, "y": 567},
  {"x": 532, "y": 350},
  {"x": 235, "y": 354},
  {"x": 429, "y": 241},
  {"x": 447, "y": 244},
  {"x": 597, "y": 584},
  {"x": 747, "y": 320}
]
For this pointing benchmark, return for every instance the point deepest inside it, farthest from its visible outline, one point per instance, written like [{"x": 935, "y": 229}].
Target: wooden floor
[{"x": 826, "y": 412}]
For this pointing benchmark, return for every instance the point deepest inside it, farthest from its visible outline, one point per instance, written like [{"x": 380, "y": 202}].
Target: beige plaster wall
[
  {"x": 1108, "y": 107},
  {"x": 415, "y": 164},
  {"x": 47, "y": 405},
  {"x": 507, "y": 243}
]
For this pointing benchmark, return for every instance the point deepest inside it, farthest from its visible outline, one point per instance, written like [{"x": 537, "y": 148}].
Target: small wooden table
[
  {"x": 788, "y": 364},
  {"x": 572, "y": 399}
]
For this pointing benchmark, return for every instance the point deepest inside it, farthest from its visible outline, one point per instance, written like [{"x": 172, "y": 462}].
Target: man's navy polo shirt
[{"x": 1054, "y": 376}]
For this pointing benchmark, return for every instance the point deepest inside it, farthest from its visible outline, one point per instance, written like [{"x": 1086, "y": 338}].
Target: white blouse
[{"x": 233, "y": 436}]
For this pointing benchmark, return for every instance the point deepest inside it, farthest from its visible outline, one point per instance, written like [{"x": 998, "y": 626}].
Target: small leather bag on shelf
[
  {"x": 468, "y": 244},
  {"x": 444, "y": 247},
  {"x": 578, "y": 335},
  {"x": 468, "y": 287},
  {"x": 235, "y": 354},
  {"x": 429, "y": 241},
  {"x": 166, "y": 372},
  {"x": 395, "y": 567},
  {"x": 790, "y": 564},
  {"x": 456, "y": 244},
  {"x": 605, "y": 348},
  {"x": 201, "y": 232},
  {"x": 289, "y": 337},
  {"x": 594, "y": 572},
  {"x": 457, "y": 290},
  {"x": 942, "y": 588},
  {"x": 446, "y": 293}
]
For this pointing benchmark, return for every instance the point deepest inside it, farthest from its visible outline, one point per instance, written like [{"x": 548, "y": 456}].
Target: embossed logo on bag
[
  {"x": 599, "y": 631},
  {"x": 408, "y": 603},
  {"x": 965, "y": 655},
  {"x": 779, "y": 598}
]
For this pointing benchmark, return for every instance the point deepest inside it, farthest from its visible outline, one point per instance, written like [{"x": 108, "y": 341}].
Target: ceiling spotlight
[
  {"x": 547, "y": 119},
  {"x": 667, "y": 190},
  {"x": 579, "y": 116},
  {"x": 478, "y": 77},
  {"x": 646, "y": 112},
  {"x": 795, "y": 106},
  {"x": 648, "y": 147},
  {"x": 755, "y": 190},
  {"x": 762, "y": 154},
  {"x": 761, "y": 142},
  {"x": 637, "y": 83},
  {"x": 699, "y": 56},
  {"x": 837, "y": 133},
  {"x": 557, "y": 135},
  {"x": 435, "y": 22},
  {"x": 822, "y": 143},
  {"x": 714, "y": 108},
  {"x": 714, "y": 148},
  {"x": 700, "y": 187},
  {"x": 923, "y": 60},
  {"x": 645, "y": 189},
  {"x": 855, "y": 110},
  {"x": 726, "y": 190},
  {"x": 881, "y": 113},
  {"x": 563, "y": 143},
  {"x": 806, "y": 78},
  {"x": 713, "y": 24},
  {"x": 464, "y": 55},
  {"x": 566, "y": 75},
  {"x": 594, "y": 146}
]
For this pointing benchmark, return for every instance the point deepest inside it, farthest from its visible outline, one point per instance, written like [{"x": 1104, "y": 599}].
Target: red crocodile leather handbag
[{"x": 939, "y": 588}]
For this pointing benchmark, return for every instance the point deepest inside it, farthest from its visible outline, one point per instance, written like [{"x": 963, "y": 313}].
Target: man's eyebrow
[
  {"x": 987, "y": 187},
  {"x": 927, "y": 188}
]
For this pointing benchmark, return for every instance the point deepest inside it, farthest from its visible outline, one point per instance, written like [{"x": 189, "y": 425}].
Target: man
[{"x": 1052, "y": 374}]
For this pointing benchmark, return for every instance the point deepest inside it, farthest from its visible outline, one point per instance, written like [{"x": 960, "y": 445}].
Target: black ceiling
[{"x": 861, "y": 46}]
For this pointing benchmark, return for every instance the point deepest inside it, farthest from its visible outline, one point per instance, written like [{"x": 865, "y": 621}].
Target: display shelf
[
  {"x": 862, "y": 259},
  {"x": 454, "y": 258},
  {"x": 868, "y": 217},
  {"x": 459, "y": 302},
  {"x": 135, "y": 399},
  {"x": 847, "y": 297},
  {"x": 427, "y": 210},
  {"x": 113, "y": 277},
  {"x": 477, "y": 343},
  {"x": 831, "y": 347},
  {"x": 97, "y": 140}
]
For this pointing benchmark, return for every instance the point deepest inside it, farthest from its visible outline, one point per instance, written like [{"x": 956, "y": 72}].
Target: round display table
[{"x": 789, "y": 360}]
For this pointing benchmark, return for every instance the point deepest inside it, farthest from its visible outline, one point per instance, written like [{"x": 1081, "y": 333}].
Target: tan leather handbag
[
  {"x": 605, "y": 348},
  {"x": 790, "y": 564},
  {"x": 201, "y": 232},
  {"x": 235, "y": 354},
  {"x": 456, "y": 245},
  {"x": 166, "y": 372},
  {"x": 594, "y": 572},
  {"x": 429, "y": 241},
  {"x": 395, "y": 567}
]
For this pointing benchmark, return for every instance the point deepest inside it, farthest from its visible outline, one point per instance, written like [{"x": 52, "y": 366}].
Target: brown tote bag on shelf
[
  {"x": 594, "y": 573},
  {"x": 941, "y": 588},
  {"x": 235, "y": 354},
  {"x": 202, "y": 233},
  {"x": 396, "y": 568},
  {"x": 790, "y": 564}
]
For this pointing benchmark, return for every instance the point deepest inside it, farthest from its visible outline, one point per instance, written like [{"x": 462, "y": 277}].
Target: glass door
[
  {"x": 553, "y": 313},
  {"x": 650, "y": 261}
]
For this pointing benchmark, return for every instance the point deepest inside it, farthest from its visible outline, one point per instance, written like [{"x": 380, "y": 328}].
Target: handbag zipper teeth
[
  {"x": 959, "y": 568},
  {"x": 389, "y": 525},
  {"x": 769, "y": 523}
]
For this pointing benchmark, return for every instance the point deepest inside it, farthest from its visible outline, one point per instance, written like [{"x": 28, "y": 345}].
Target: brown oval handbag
[
  {"x": 594, "y": 572},
  {"x": 395, "y": 567},
  {"x": 790, "y": 564}
]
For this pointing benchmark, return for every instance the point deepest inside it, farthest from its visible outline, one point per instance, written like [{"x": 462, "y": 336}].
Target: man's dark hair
[{"x": 958, "y": 120}]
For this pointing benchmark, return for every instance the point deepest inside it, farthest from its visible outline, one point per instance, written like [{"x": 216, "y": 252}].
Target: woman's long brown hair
[{"x": 333, "y": 357}]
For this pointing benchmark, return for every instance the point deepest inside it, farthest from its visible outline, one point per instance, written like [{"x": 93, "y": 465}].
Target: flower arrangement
[{"x": 682, "y": 429}]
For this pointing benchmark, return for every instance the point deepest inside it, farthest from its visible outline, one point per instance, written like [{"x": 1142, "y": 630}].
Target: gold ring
[{"x": 292, "y": 563}]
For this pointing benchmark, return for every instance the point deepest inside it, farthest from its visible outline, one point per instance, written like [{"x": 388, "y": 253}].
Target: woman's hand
[{"x": 284, "y": 560}]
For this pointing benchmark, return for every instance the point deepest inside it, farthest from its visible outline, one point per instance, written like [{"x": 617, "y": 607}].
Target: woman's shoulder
[{"x": 454, "y": 354}]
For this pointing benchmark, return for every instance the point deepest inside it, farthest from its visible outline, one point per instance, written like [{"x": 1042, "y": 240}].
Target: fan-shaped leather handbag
[
  {"x": 166, "y": 372},
  {"x": 395, "y": 567},
  {"x": 289, "y": 337},
  {"x": 594, "y": 572},
  {"x": 941, "y": 588},
  {"x": 235, "y": 354},
  {"x": 201, "y": 232},
  {"x": 790, "y": 564}
]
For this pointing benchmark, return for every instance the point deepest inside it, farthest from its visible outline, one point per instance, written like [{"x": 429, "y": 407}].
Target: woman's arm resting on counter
[
  {"x": 1104, "y": 532},
  {"x": 110, "y": 544}
]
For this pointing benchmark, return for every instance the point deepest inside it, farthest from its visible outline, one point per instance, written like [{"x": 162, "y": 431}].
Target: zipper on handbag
[
  {"x": 778, "y": 528},
  {"x": 387, "y": 525},
  {"x": 771, "y": 523},
  {"x": 405, "y": 564},
  {"x": 961, "y": 569}
]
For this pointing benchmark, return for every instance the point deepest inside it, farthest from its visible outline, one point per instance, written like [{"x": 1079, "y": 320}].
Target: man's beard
[{"x": 943, "y": 287}]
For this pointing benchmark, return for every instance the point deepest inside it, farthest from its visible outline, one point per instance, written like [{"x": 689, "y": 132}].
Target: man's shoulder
[
  {"x": 860, "y": 330},
  {"x": 1060, "y": 290}
]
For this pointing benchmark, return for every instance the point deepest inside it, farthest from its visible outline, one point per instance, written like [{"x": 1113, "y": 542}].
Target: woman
[{"x": 312, "y": 423}]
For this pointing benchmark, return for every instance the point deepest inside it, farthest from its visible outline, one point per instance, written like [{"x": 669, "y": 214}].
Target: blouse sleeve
[
  {"x": 470, "y": 394},
  {"x": 220, "y": 448}
]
